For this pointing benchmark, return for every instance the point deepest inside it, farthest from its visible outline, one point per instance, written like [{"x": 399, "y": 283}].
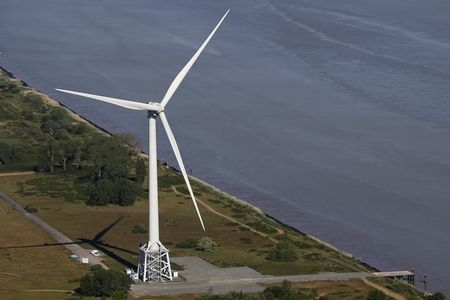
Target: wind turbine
[{"x": 154, "y": 262}]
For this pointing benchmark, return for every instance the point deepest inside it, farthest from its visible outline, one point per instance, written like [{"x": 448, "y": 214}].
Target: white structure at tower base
[{"x": 154, "y": 263}]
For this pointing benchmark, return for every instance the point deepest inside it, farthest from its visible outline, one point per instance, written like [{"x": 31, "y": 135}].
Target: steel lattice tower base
[{"x": 154, "y": 263}]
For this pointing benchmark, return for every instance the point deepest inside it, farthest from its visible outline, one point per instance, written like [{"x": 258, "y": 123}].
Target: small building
[{"x": 85, "y": 260}]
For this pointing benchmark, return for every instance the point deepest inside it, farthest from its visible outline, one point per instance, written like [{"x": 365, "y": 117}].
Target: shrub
[
  {"x": 376, "y": 295},
  {"x": 139, "y": 228},
  {"x": 263, "y": 227},
  {"x": 188, "y": 243},
  {"x": 31, "y": 209},
  {"x": 284, "y": 252},
  {"x": 104, "y": 283},
  {"x": 278, "y": 292},
  {"x": 437, "y": 296},
  {"x": 206, "y": 244}
]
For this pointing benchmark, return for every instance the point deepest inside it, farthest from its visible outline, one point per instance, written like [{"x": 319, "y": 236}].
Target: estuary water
[{"x": 332, "y": 116}]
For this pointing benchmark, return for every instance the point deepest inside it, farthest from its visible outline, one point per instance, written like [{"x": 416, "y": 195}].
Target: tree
[
  {"x": 283, "y": 251},
  {"x": 206, "y": 244},
  {"x": 48, "y": 156},
  {"x": 125, "y": 192},
  {"x": 104, "y": 283},
  {"x": 65, "y": 151},
  {"x": 10, "y": 153},
  {"x": 141, "y": 170},
  {"x": 77, "y": 153},
  {"x": 101, "y": 192},
  {"x": 109, "y": 158}
]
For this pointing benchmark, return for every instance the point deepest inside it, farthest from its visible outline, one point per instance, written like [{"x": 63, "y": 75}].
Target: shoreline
[{"x": 198, "y": 180}]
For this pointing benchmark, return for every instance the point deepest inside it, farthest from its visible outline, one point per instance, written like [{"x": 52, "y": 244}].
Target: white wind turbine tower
[{"x": 154, "y": 262}]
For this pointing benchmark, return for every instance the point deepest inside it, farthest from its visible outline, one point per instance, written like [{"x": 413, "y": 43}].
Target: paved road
[
  {"x": 202, "y": 277},
  {"x": 55, "y": 234}
]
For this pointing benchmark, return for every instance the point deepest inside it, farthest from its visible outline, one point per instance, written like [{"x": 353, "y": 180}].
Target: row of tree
[{"x": 108, "y": 161}]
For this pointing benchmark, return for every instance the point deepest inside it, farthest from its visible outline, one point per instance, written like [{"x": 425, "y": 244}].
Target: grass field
[{"x": 23, "y": 269}]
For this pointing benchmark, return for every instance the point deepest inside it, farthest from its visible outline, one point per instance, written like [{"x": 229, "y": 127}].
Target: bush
[
  {"x": 59, "y": 114},
  {"x": 278, "y": 292},
  {"x": 78, "y": 128},
  {"x": 437, "y": 296},
  {"x": 188, "y": 243},
  {"x": 263, "y": 227},
  {"x": 284, "y": 251},
  {"x": 139, "y": 228},
  {"x": 376, "y": 295},
  {"x": 206, "y": 244},
  {"x": 104, "y": 283},
  {"x": 31, "y": 209}
]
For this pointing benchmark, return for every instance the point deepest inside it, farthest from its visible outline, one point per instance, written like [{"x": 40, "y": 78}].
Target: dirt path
[
  {"x": 16, "y": 173},
  {"x": 228, "y": 217},
  {"x": 384, "y": 290}
]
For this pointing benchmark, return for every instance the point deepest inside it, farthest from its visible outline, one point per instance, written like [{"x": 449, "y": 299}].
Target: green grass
[{"x": 29, "y": 268}]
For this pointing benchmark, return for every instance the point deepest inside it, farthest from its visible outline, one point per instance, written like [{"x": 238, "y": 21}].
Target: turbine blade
[
  {"x": 176, "y": 151},
  {"x": 179, "y": 78},
  {"x": 120, "y": 102}
]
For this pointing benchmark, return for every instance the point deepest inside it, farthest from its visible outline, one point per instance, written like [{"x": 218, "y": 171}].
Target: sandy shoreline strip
[{"x": 79, "y": 117}]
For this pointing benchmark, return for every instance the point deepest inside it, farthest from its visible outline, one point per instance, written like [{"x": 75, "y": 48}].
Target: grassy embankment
[{"x": 59, "y": 199}]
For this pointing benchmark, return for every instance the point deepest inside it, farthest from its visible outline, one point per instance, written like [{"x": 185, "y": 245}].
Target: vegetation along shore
[{"x": 102, "y": 203}]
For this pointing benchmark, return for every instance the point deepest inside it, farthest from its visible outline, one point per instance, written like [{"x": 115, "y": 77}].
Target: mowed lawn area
[{"x": 23, "y": 269}]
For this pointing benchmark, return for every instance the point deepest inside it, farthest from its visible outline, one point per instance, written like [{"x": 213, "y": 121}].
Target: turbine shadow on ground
[{"x": 95, "y": 242}]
